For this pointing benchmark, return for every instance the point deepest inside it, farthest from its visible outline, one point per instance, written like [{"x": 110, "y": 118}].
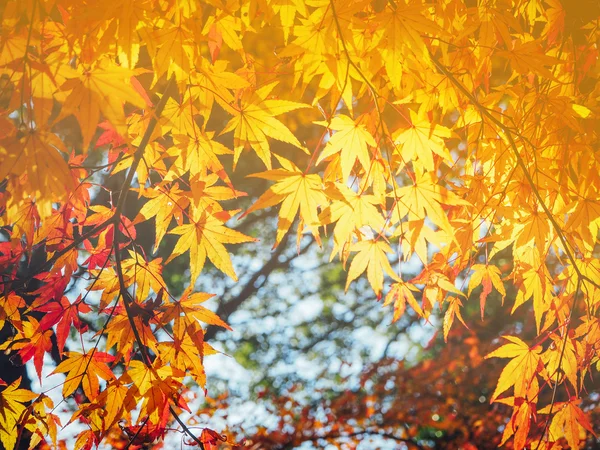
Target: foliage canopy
[{"x": 438, "y": 134}]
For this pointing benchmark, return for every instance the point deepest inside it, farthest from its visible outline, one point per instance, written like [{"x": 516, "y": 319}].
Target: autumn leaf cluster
[{"x": 432, "y": 133}]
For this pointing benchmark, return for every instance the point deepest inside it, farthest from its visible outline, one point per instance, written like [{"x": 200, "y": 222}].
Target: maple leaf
[
  {"x": 229, "y": 27},
  {"x": 12, "y": 407},
  {"x": 86, "y": 440},
  {"x": 141, "y": 375},
  {"x": 181, "y": 117},
  {"x": 351, "y": 140},
  {"x": 421, "y": 140},
  {"x": 519, "y": 424},
  {"x": 534, "y": 285},
  {"x": 206, "y": 196},
  {"x": 157, "y": 384},
  {"x": 175, "y": 49},
  {"x": 38, "y": 155},
  {"x": 211, "y": 439},
  {"x": 189, "y": 307},
  {"x": 144, "y": 434},
  {"x": 31, "y": 342},
  {"x": 187, "y": 350},
  {"x": 214, "y": 83},
  {"x": 349, "y": 211},
  {"x": 116, "y": 399},
  {"x": 534, "y": 228},
  {"x": 372, "y": 257},
  {"x": 84, "y": 369},
  {"x": 164, "y": 204},
  {"x": 66, "y": 315},
  {"x": 254, "y": 120},
  {"x": 109, "y": 137},
  {"x": 561, "y": 356},
  {"x": 454, "y": 305},
  {"x": 119, "y": 332},
  {"x": 196, "y": 154},
  {"x": 145, "y": 274},
  {"x": 486, "y": 275},
  {"x": 205, "y": 238},
  {"x": 287, "y": 10},
  {"x": 521, "y": 371},
  {"x": 404, "y": 27},
  {"x": 569, "y": 421},
  {"x": 9, "y": 310},
  {"x": 99, "y": 255},
  {"x": 400, "y": 294},
  {"x": 526, "y": 57},
  {"x": 424, "y": 199},
  {"x": 42, "y": 422},
  {"x": 297, "y": 192},
  {"x": 103, "y": 88}
]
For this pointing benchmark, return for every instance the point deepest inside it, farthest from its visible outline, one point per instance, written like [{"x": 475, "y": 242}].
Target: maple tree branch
[
  {"x": 127, "y": 300},
  {"x": 351, "y": 62},
  {"x": 26, "y": 61},
  {"x": 376, "y": 97},
  {"x": 124, "y": 293},
  {"x": 557, "y": 228},
  {"x": 57, "y": 255},
  {"x": 139, "y": 152},
  {"x": 224, "y": 310},
  {"x": 340, "y": 435},
  {"x": 509, "y": 135},
  {"x": 559, "y": 365},
  {"x": 134, "y": 437},
  {"x": 124, "y": 190}
]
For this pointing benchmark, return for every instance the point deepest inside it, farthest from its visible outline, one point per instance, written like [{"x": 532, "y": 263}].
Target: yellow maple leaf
[
  {"x": 351, "y": 140},
  {"x": 350, "y": 211},
  {"x": 372, "y": 257},
  {"x": 296, "y": 191},
  {"x": 519, "y": 425},
  {"x": 175, "y": 46},
  {"x": 569, "y": 421},
  {"x": 424, "y": 199},
  {"x": 141, "y": 375},
  {"x": 213, "y": 83},
  {"x": 196, "y": 154},
  {"x": 12, "y": 407},
  {"x": 145, "y": 274},
  {"x": 486, "y": 275},
  {"x": 534, "y": 285},
  {"x": 254, "y": 120},
  {"x": 116, "y": 398},
  {"x": 84, "y": 369},
  {"x": 527, "y": 57},
  {"x": 535, "y": 227},
  {"x": 165, "y": 204},
  {"x": 287, "y": 10},
  {"x": 421, "y": 140},
  {"x": 400, "y": 294},
  {"x": 404, "y": 26},
  {"x": 38, "y": 155},
  {"x": 181, "y": 116},
  {"x": 103, "y": 88},
  {"x": 119, "y": 333},
  {"x": 561, "y": 356},
  {"x": 186, "y": 352},
  {"x": 454, "y": 305},
  {"x": 9, "y": 309},
  {"x": 205, "y": 238},
  {"x": 521, "y": 370},
  {"x": 189, "y": 307}
]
